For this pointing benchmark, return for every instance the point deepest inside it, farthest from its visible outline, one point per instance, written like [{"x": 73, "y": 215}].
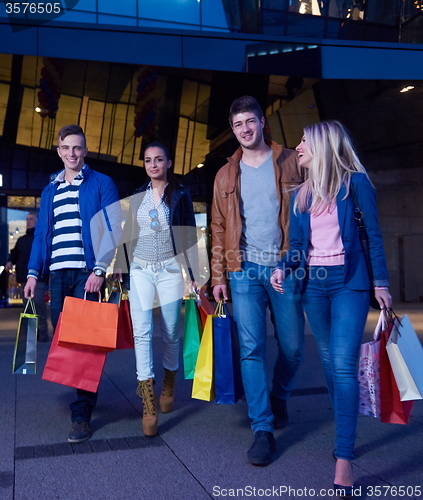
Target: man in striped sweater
[{"x": 63, "y": 245}]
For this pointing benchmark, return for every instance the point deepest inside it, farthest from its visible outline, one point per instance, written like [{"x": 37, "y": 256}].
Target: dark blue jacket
[
  {"x": 97, "y": 191},
  {"x": 356, "y": 276}
]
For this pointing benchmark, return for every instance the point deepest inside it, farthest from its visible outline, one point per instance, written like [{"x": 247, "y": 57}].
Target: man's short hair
[
  {"x": 246, "y": 104},
  {"x": 71, "y": 130}
]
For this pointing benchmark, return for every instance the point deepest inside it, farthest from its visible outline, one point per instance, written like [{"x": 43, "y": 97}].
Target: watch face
[{"x": 98, "y": 272}]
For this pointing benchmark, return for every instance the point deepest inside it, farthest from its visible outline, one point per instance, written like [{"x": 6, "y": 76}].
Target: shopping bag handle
[
  {"x": 118, "y": 286},
  {"x": 99, "y": 295},
  {"x": 30, "y": 302},
  {"x": 386, "y": 317},
  {"x": 220, "y": 309}
]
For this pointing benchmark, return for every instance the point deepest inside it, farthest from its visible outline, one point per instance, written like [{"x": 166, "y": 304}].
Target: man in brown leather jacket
[{"x": 250, "y": 228}]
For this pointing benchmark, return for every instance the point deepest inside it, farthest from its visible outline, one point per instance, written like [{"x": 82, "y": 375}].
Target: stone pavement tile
[
  {"x": 391, "y": 451},
  {"x": 147, "y": 473},
  {"x": 7, "y": 408}
]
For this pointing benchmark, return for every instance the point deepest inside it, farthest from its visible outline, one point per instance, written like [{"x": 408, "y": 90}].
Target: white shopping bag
[{"x": 406, "y": 357}]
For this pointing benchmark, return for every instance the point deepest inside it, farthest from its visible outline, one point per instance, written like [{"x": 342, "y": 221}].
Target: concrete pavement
[{"x": 201, "y": 450}]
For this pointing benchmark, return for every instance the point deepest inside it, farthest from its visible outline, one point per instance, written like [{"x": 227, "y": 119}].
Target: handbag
[
  {"x": 25, "y": 353},
  {"x": 124, "y": 337},
  {"x": 406, "y": 357},
  {"x": 392, "y": 409},
  {"x": 364, "y": 240},
  {"x": 369, "y": 370},
  {"x": 73, "y": 366},
  {"x": 227, "y": 368},
  {"x": 203, "y": 384},
  {"x": 86, "y": 323},
  {"x": 192, "y": 337}
]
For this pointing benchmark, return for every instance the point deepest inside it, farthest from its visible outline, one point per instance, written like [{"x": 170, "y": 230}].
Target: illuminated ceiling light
[
  {"x": 200, "y": 165},
  {"x": 38, "y": 110},
  {"x": 1, "y": 180},
  {"x": 406, "y": 89}
]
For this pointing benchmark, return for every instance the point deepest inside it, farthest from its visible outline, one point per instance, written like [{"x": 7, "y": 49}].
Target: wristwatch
[{"x": 99, "y": 273}]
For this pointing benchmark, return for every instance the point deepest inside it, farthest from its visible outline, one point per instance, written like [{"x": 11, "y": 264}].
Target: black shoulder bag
[{"x": 364, "y": 240}]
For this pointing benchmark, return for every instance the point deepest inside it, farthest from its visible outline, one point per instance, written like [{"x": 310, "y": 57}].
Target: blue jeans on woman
[
  {"x": 252, "y": 294},
  {"x": 337, "y": 316},
  {"x": 64, "y": 283}
]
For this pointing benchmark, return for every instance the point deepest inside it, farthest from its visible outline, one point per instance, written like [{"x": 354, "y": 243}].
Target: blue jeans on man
[
  {"x": 64, "y": 283},
  {"x": 252, "y": 294}
]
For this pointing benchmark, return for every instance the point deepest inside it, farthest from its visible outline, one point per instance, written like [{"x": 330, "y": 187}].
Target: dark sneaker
[
  {"x": 279, "y": 411},
  {"x": 261, "y": 451},
  {"x": 80, "y": 431}
]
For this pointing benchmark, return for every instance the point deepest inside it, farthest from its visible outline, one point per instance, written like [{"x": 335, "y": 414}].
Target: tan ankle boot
[
  {"x": 168, "y": 392},
  {"x": 149, "y": 419}
]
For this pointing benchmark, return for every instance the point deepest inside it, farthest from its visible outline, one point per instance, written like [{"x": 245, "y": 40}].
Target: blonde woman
[{"x": 327, "y": 261}]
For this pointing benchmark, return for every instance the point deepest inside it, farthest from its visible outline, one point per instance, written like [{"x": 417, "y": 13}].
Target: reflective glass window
[{"x": 177, "y": 11}]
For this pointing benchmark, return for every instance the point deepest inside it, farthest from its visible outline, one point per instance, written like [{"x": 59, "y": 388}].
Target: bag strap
[
  {"x": 358, "y": 214},
  {"x": 30, "y": 303}
]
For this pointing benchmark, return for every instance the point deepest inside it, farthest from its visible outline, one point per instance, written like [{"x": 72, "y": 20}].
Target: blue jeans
[
  {"x": 252, "y": 294},
  {"x": 64, "y": 283},
  {"x": 337, "y": 316}
]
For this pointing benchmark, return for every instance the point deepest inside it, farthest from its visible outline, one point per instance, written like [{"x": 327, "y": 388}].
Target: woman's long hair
[
  {"x": 172, "y": 181},
  {"x": 333, "y": 163}
]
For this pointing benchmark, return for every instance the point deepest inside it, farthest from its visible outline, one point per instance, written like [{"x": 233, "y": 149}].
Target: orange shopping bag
[{"x": 88, "y": 324}]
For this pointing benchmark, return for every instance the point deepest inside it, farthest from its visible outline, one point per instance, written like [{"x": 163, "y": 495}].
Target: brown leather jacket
[{"x": 226, "y": 219}]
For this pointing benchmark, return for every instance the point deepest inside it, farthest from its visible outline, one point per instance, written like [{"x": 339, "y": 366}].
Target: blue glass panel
[
  {"x": 179, "y": 11},
  {"x": 119, "y": 20},
  {"x": 303, "y": 25},
  {"x": 273, "y": 22},
  {"x": 74, "y": 16},
  {"x": 123, "y": 7},
  {"x": 147, "y": 23},
  {"x": 89, "y": 5},
  {"x": 213, "y": 14},
  {"x": 212, "y": 28}
]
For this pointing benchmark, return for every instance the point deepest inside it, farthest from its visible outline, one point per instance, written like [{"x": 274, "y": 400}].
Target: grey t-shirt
[{"x": 261, "y": 233}]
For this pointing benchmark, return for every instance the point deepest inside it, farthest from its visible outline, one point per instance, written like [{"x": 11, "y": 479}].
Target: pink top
[{"x": 325, "y": 246}]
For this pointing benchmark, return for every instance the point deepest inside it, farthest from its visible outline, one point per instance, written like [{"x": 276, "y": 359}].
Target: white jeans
[{"x": 161, "y": 281}]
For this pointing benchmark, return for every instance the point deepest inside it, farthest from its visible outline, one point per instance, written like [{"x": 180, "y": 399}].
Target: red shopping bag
[
  {"x": 125, "y": 338},
  {"x": 72, "y": 366},
  {"x": 204, "y": 306},
  {"x": 392, "y": 409}
]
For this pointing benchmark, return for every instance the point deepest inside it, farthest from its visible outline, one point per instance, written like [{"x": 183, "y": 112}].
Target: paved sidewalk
[{"x": 201, "y": 450}]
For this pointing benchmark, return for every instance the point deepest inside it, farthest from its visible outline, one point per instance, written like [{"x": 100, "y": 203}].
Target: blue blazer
[{"x": 356, "y": 276}]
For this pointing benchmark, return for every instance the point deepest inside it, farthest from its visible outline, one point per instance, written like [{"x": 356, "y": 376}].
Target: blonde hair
[{"x": 333, "y": 163}]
